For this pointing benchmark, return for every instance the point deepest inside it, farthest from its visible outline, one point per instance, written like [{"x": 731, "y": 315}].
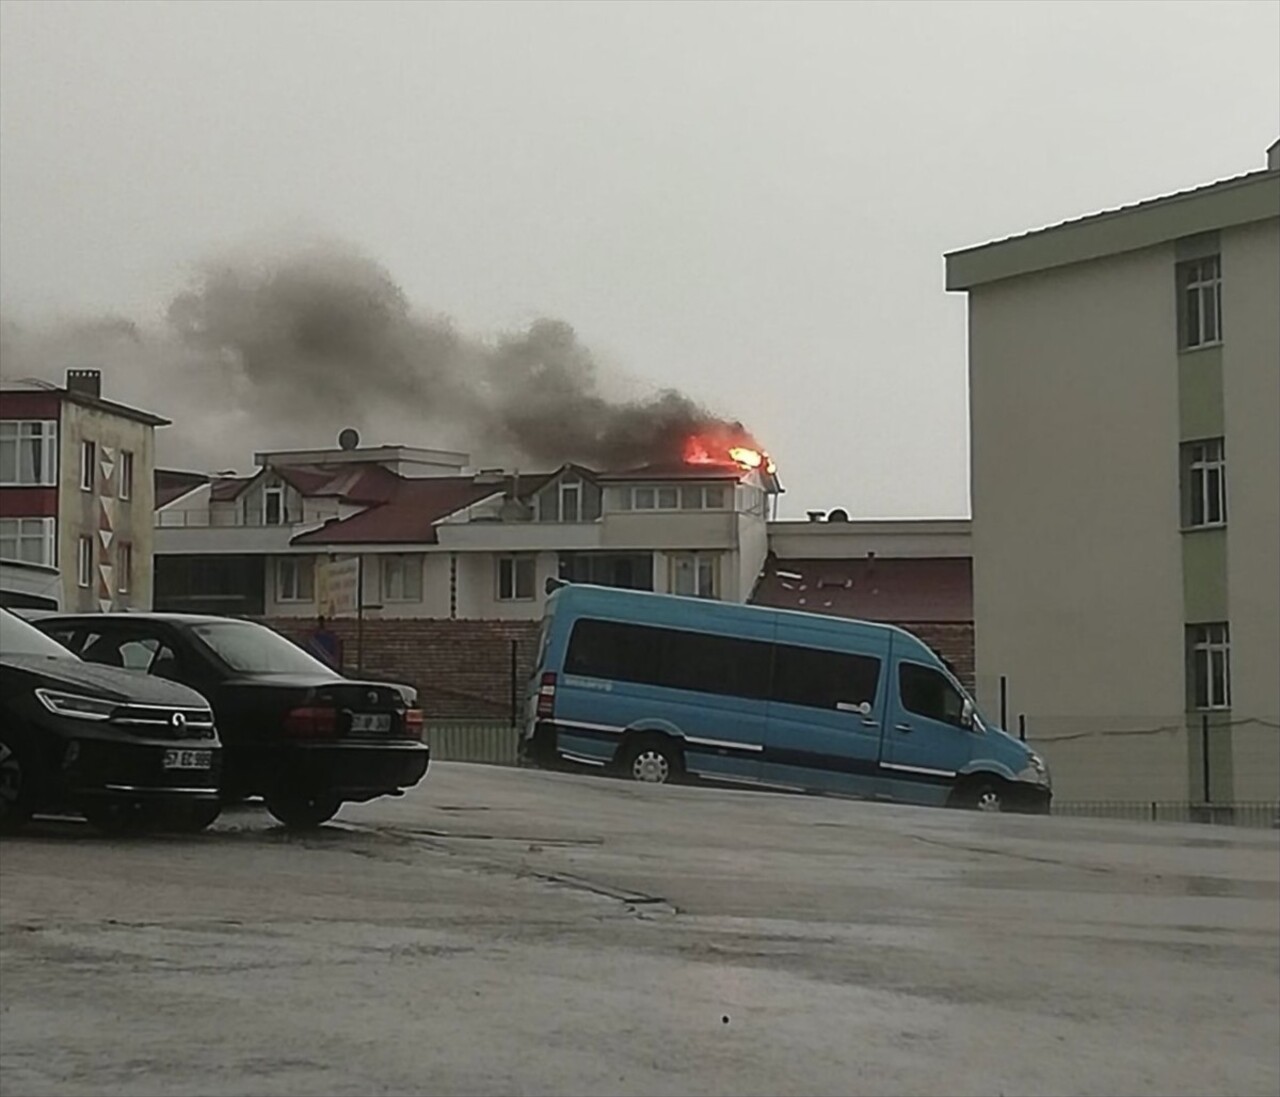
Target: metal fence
[
  {"x": 490, "y": 742},
  {"x": 1252, "y": 814}
]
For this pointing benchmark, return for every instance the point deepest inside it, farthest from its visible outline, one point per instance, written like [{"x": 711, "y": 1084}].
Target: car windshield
[
  {"x": 19, "y": 638},
  {"x": 255, "y": 649}
]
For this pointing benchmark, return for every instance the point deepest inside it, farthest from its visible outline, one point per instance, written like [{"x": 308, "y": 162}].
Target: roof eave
[{"x": 1249, "y": 198}]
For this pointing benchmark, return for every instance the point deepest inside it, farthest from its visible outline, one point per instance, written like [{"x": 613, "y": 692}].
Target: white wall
[
  {"x": 1077, "y": 557},
  {"x": 890, "y": 538},
  {"x": 1250, "y": 357}
]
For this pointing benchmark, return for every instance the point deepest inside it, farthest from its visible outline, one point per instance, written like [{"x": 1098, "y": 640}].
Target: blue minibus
[{"x": 657, "y": 687}]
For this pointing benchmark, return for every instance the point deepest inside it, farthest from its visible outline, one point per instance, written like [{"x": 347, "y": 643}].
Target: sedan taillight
[
  {"x": 311, "y": 722},
  {"x": 413, "y": 723}
]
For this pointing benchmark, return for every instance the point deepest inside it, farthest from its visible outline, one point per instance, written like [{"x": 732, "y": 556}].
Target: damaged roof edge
[{"x": 1237, "y": 201}]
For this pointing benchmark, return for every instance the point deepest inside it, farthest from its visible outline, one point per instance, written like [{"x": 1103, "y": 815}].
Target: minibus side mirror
[{"x": 966, "y": 714}]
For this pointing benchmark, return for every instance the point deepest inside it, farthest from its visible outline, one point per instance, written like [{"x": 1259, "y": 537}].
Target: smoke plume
[{"x": 270, "y": 354}]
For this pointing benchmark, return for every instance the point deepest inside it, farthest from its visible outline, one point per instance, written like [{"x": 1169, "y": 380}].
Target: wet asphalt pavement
[{"x": 502, "y": 931}]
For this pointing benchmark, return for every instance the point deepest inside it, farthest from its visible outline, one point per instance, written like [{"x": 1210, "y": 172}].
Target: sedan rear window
[{"x": 255, "y": 649}]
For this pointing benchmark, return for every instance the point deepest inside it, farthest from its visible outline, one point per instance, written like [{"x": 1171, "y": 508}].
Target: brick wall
[
  {"x": 462, "y": 669},
  {"x": 953, "y": 641}
]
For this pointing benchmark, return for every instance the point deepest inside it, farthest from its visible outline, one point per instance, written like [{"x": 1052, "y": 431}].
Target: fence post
[
  {"x": 1204, "y": 754},
  {"x": 1022, "y": 726},
  {"x": 1004, "y": 702},
  {"x": 515, "y": 687}
]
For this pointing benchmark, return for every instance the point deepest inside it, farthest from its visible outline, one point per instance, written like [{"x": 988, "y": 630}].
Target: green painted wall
[
  {"x": 1204, "y": 575},
  {"x": 1200, "y": 403}
]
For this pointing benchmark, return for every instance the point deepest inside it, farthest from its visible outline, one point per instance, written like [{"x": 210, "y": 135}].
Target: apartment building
[
  {"x": 439, "y": 540},
  {"x": 1125, "y": 429},
  {"x": 76, "y": 496}
]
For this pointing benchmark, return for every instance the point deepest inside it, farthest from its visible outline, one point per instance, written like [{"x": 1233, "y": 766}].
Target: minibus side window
[
  {"x": 928, "y": 693},
  {"x": 824, "y": 679},
  {"x": 672, "y": 658}
]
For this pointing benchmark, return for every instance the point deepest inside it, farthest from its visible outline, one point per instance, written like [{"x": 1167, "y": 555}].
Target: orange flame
[{"x": 709, "y": 450}]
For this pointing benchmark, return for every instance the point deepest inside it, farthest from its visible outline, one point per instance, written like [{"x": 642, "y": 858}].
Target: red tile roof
[
  {"x": 408, "y": 516},
  {"x": 173, "y": 484},
  {"x": 226, "y": 488},
  {"x": 938, "y": 589},
  {"x": 677, "y": 470}
]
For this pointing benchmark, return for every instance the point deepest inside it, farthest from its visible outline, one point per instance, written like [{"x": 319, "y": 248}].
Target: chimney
[
  {"x": 1273, "y": 156},
  {"x": 87, "y": 382}
]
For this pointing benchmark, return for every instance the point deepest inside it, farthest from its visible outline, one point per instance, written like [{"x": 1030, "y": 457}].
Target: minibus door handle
[{"x": 902, "y": 727}]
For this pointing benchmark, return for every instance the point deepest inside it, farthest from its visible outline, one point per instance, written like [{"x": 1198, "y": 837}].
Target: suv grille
[{"x": 166, "y": 722}]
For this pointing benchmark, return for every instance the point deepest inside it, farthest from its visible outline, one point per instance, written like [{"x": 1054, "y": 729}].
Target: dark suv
[
  {"x": 294, "y": 731},
  {"x": 123, "y": 749}
]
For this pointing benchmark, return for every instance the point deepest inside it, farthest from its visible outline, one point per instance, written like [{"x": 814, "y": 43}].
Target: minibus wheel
[
  {"x": 652, "y": 760},
  {"x": 982, "y": 794}
]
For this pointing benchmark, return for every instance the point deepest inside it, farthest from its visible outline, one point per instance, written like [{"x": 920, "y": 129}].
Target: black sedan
[
  {"x": 294, "y": 731},
  {"x": 123, "y": 749}
]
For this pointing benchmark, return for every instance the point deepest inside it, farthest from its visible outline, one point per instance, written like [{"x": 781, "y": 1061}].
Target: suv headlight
[
  {"x": 77, "y": 705},
  {"x": 1035, "y": 772}
]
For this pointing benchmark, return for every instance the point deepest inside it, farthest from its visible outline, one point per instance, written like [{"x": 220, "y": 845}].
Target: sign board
[{"x": 338, "y": 586}]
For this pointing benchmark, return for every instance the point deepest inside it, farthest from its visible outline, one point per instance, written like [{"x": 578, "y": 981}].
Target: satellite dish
[
  {"x": 349, "y": 438},
  {"x": 838, "y": 515}
]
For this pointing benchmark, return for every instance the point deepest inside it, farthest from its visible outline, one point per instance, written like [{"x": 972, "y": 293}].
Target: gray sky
[{"x": 748, "y": 201}]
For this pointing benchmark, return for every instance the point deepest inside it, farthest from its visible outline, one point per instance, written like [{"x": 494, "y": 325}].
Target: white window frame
[
  {"x": 1201, "y": 283},
  {"x": 40, "y": 437},
  {"x": 703, "y": 567},
  {"x": 401, "y": 577},
  {"x": 276, "y": 491},
  {"x": 510, "y": 591},
  {"x": 649, "y": 497},
  {"x": 1207, "y": 463},
  {"x": 25, "y": 531},
  {"x": 124, "y": 566},
  {"x": 571, "y": 488},
  {"x": 84, "y": 562},
  {"x": 126, "y": 474},
  {"x": 1210, "y": 643},
  {"x": 88, "y": 463},
  {"x": 295, "y": 579}
]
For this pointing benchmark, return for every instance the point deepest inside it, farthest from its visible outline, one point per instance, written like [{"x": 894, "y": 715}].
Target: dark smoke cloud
[{"x": 269, "y": 354}]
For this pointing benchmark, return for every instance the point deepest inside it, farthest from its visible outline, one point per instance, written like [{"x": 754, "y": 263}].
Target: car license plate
[
  {"x": 188, "y": 759},
  {"x": 370, "y": 721}
]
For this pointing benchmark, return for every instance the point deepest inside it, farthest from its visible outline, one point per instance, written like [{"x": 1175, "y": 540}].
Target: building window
[
  {"x": 126, "y": 474},
  {"x": 84, "y": 561},
  {"x": 124, "y": 567},
  {"x": 273, "y": 506},
  {"x": 88, "y": 458},
  {"x": 1204, "y": 480},
  {"x": 30, "y": 540},
  {"x": 695, "y": 574},
  {"x": 402, "y": 578},
  {"x": 1200, "y": 302},
  {"x": 295, "y": 579},
  {"x": 28, "y": 452},
  {"x": 516, "y": 578},
  {"x": 689, "y": 497},
  {"x": 1209, "y": 664},
  {"x": 570, "y": 501}
]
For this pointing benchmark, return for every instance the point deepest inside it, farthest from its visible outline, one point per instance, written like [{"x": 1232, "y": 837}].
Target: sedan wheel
[{"x": 302, "y": 810}]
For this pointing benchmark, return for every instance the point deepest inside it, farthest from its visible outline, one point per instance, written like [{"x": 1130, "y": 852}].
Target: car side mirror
[{"x": 966, "y": 714}]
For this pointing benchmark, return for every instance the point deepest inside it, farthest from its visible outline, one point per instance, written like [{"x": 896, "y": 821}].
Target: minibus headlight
[{"x": 1035, "y": 772}]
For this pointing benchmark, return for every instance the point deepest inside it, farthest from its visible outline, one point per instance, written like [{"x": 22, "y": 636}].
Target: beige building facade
[{"x": 1125, "y": 430}]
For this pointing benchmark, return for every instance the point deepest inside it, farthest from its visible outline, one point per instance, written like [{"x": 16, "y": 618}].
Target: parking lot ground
[{"x": 506, "y": 931}]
